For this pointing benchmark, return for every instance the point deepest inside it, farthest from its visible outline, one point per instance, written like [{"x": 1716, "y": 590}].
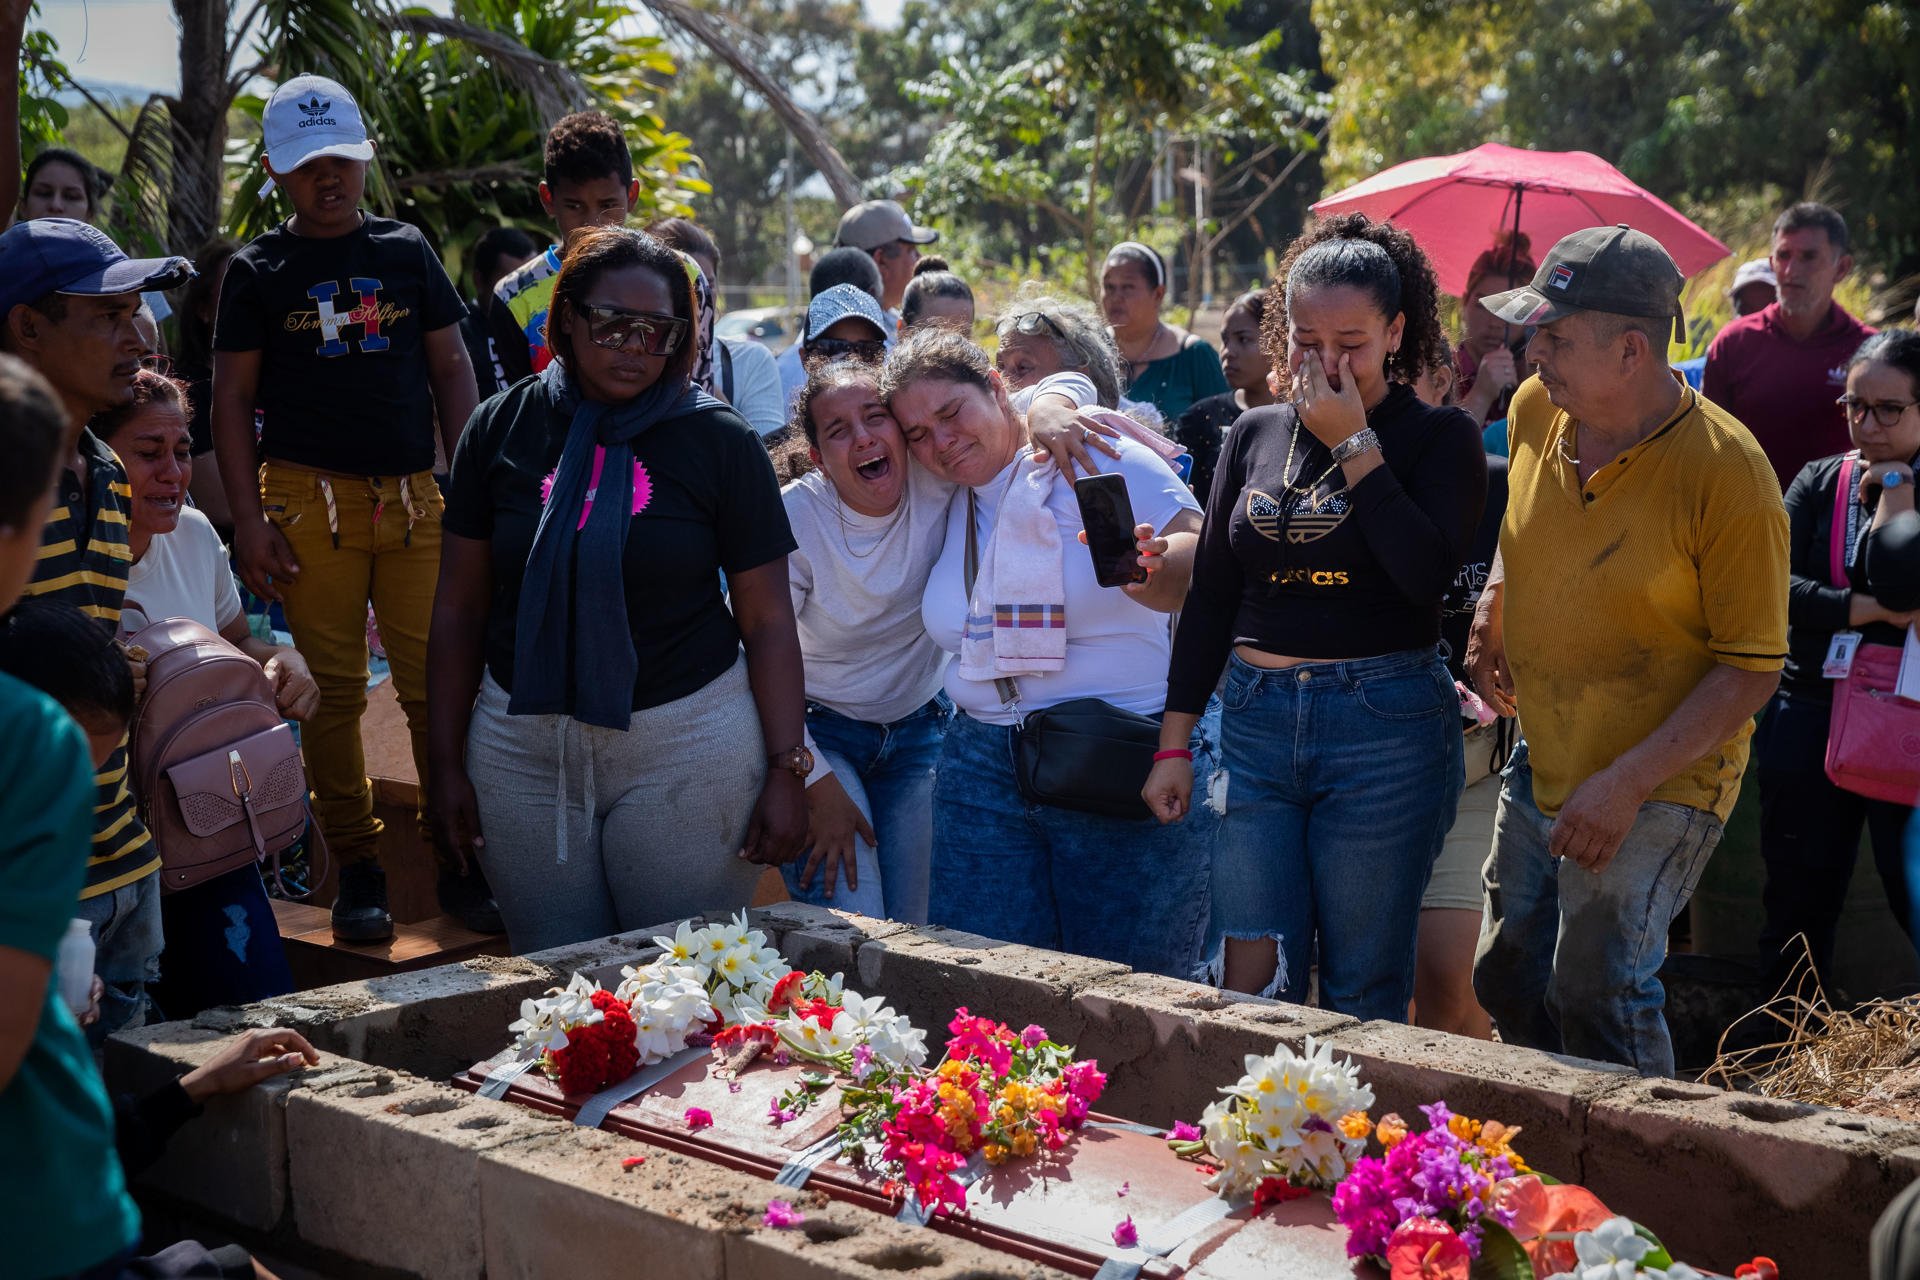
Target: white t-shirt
[
  {"x": 184, "y": 574},
  {"x": 857, "y": 582},
  {"x": 1117, "y": 648},
  {"x": 756, "y": 385}
]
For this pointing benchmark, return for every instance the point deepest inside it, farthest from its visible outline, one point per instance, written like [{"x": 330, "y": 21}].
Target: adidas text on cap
[
  {"x": 1617, "y": 270},
  {"x": 309, "y": 117}
]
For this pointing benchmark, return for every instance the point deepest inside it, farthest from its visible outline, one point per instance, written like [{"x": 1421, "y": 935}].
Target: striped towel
[{"x": 1017, "y": 616}]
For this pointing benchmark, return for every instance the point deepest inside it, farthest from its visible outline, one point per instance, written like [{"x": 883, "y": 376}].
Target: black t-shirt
[
  {"x": 1199, "y": 431},
  {"x": 341, "y": 326},
  {"x": 1456, "y": 609},
  {"x": 488, "y": 376},
  {"x": 1298, "y": 563},
  {"x": 1885, "y": 564},
  {"x": 712, "y": 504}
]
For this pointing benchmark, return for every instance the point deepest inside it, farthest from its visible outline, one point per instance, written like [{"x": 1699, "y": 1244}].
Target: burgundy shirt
[{"x": 1783, "y": 390}]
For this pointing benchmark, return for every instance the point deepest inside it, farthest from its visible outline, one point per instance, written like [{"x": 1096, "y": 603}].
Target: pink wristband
[{"x": 1180, "y": 753}]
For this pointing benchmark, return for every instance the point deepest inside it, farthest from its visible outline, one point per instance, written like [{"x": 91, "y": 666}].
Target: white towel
[{"x": 1017, "y": 615}]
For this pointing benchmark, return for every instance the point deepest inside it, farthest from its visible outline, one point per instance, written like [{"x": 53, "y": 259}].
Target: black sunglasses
[
  {"x": 614, "y": 327},
  {"x": 1035, "y": 323},
  {"x": 870, "y": 350}
]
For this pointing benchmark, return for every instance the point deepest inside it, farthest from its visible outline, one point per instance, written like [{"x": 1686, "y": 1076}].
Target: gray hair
[{"x": 1078, "y": 334}]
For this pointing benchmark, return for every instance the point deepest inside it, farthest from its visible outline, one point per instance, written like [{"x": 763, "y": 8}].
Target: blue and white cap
[
  {"x": 830, "y": 306},
  {"x": 61, "y": 255},
  {"x": 309, "y": 117}
]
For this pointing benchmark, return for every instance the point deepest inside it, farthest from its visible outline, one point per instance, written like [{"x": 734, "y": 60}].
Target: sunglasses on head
[
  {"x": 1035, "y": 323},
  {"x": 871, "y": 350},
  {"x": 614, "y": 327}
]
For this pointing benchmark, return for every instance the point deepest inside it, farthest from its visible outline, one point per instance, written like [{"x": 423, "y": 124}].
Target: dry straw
[{"x": 1814, "y": 1052}]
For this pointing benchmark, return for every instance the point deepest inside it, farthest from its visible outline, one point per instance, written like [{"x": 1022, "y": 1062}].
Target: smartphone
[{"x": 1107, "y": 513}]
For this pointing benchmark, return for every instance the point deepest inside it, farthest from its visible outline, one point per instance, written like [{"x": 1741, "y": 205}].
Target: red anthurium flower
[
  {"x": 786, "y": 992},
  {"x": 1423, "y": 1249},
  {"x": 1758, "y": 1269}
]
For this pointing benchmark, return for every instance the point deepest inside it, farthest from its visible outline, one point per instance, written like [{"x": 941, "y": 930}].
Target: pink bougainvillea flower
[
  {"x": 862, "y": 1061},
  {"x": 1184, "y": 1132},
  {"x": 1125, "y": 1187},
  {"x": 1423, "y": 1249},
  {"x": 1032, "y": 1036},
  {"x": 778, "y": 1113},
  {"x": 733, "y": 1086},
  {"x": 699, "y": 1118},
  {"x": 781, "y": 1213},
  {"x": 633, "y": 1162},
  {"x": 781, "y": 1058},
  {"x": 1125, "y": 1234}
]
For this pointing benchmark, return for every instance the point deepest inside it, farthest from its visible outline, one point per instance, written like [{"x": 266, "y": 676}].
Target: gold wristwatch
[{"x": 798, "y": 761}]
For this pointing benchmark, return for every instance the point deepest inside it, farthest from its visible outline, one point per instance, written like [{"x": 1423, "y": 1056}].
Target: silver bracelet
[{"x": 1355, "y": 445}]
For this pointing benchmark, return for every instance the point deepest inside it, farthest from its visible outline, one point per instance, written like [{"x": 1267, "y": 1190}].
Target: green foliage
[
  {"x": 460, "y": 106},
  {"x": 1501, "y": 1255},
  {"x": 43, "y": 117},
  {"x": 1699, "y": 100},
  {"x": 1040, "y": 144}
]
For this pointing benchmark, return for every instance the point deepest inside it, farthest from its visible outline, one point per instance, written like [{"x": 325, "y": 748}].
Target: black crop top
[{"x": 1337, "y": 572}]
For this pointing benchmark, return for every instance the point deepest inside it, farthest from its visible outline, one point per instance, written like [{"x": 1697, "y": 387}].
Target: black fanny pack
[{"x": 1086, "y": 755}]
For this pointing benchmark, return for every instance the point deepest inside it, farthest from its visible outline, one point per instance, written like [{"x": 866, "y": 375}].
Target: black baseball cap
[{"x": 1617, "y": 270}]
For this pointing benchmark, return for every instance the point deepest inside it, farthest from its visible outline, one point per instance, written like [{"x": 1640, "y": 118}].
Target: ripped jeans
[{"x": 1337, "y": 785}]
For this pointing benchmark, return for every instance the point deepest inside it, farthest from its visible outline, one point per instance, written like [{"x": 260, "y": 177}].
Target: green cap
[{"x": 1613, "y": 269}]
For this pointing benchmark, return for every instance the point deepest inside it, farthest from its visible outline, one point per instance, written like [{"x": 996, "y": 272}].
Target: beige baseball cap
[{"x": 877, "y": 222}]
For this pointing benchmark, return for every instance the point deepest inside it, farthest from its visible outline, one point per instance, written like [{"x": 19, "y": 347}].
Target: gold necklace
[
  {"x": 1289, "y": 488},
  {"x": 839, "y": 509}
]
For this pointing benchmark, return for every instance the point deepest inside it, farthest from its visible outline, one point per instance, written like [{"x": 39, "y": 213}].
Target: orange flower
[
  {"x": 1462, "y": 1128},
  {"x": 1391, "y": 1130},
  {"x": 1355, "y": 1124},
  {"x": 1024, "y": 1144},
  {"x": 1496, "y": 1140},
  {"x": 994, "y": 1152}
]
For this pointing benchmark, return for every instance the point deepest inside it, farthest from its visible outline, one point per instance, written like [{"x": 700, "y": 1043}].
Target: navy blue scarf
[{"x": 573, "y": 651}]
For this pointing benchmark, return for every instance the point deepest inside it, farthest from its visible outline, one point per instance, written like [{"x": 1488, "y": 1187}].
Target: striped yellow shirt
[{"x": 83, "y": 562}]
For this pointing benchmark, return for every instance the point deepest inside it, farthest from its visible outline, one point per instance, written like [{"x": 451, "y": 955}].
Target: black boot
[
  {"x": 469, "y": 899},
  {"x": 360, "y": 904}
]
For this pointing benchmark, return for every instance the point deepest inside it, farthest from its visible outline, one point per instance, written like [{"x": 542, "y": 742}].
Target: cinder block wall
[{"x": 373, "y": 1160}]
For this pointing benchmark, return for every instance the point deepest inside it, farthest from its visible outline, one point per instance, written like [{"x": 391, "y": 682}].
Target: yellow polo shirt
[{"x": 1621, "y": 596}]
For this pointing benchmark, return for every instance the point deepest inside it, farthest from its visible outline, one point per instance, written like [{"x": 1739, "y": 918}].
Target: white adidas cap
[{"x": 309, "y": 117}]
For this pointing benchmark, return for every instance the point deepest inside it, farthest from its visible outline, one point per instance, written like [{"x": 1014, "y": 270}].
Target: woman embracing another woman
[
  {"x": 1336, "y": 524},
  {"x": 597, "y": 736},
  {"x": 1015, "y": 596}
]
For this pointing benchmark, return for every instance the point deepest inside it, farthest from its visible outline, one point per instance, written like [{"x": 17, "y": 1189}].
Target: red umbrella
[{"x": 1456, "y": 205}]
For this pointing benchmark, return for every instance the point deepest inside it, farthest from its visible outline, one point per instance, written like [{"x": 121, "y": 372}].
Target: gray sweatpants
[{"x": 592, "y": 831}]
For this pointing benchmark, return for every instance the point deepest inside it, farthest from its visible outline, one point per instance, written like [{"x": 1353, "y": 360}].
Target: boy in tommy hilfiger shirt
[{"x": 343, "y": 330}]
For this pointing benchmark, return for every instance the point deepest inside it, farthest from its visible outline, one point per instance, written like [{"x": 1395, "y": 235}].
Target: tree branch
[
  {"x": 53, "y": 73},
  {"x": 805, "y": 129},
  {"x": 1227, "y": 227}
]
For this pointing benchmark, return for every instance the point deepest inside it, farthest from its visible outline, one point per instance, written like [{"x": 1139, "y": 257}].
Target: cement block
[
  {"x": 562, "y": 1207},
  {"x": 1722, "y": 1176},
  {"x": 830, "y": 945},
  {"x": 1545, "y": 1095},
  {"x": 928, "y": 972},
  {"x": 232, "y": 1160},
  {"x": 385, "y": 1169},
  {"x": 1167, "y": 1046},
  {"x": 839, "y": 1242}
]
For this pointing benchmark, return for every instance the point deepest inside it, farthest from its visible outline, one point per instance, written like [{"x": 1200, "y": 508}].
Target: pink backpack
[
  {"x": 215, "y": 767},
  {"x": 1873, "y": 740}
]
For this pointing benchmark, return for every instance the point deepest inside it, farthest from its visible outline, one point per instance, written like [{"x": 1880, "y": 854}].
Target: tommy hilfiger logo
[
  {"x": 369, "y": 314},
  {"x": 315, "y": 112},
  {"x": 1562, "y": 277}
]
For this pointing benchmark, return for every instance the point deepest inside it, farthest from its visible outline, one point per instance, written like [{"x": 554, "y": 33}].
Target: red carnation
[
  {"x": 600, "y": 1053},
  {"x": 786, "y": 992}
]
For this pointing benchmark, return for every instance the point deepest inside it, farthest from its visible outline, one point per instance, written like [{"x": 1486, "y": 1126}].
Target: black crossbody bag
[{"x": 1086, "y": 755}]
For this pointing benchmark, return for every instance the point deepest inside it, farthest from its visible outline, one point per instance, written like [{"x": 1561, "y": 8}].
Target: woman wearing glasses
[
  {"x": 845, "y": 322},
  {"x": 597, "y": 737},
  {"x": 1810, "y": 828}
]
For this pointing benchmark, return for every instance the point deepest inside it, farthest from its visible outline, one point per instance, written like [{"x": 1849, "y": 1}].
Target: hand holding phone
[{"x": 1107, "y": 514}]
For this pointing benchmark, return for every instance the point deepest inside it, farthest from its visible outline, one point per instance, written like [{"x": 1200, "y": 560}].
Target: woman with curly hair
[{"x": 1337, "y": 521}]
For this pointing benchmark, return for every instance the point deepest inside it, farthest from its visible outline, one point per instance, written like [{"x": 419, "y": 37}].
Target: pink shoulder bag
[{"x": 1873, "y": 740}]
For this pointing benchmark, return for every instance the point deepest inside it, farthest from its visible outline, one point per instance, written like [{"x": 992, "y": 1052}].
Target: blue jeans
[
  {"x": 887, "y": 769},
  {"x": 223, "y": 946},
  {"x": 126, "y": 952},
  {"x": 1117, "y": 889},
  {"x": 1569, "y": 960},
  {"x": 1337, "y": 786}
]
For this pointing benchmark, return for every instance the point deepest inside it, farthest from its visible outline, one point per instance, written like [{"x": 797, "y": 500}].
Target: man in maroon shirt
[{"x": 1780, "y": 370}]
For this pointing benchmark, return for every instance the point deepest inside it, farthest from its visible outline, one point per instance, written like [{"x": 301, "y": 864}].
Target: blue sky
[{"x": 132, "y": 45}]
